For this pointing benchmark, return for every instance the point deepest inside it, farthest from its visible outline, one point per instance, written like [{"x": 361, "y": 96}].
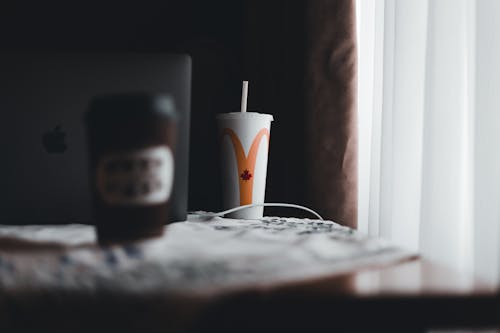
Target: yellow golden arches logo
[{"x": 246, "y": 164}]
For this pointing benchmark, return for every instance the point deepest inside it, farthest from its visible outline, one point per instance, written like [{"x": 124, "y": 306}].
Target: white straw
[{"x": 244, "y": 96}]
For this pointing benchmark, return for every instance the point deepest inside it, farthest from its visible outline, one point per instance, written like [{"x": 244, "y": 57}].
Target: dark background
[{"x": 229, "y": 41}]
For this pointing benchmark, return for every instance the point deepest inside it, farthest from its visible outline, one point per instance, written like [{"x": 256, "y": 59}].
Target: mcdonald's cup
[{"x": 244, "y": 146}]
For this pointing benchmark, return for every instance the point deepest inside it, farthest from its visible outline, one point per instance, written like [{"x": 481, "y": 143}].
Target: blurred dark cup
[{"x": 131, "y": 140}]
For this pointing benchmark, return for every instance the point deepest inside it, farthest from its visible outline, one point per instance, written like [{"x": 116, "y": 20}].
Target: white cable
[{"x": 235, "y": 209}]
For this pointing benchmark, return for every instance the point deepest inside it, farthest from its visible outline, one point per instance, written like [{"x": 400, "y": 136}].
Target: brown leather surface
[{"x": 331, "y": 110}]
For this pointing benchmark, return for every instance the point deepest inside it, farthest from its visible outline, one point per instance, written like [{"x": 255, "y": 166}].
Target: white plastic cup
[{"x": 244, "y": 146}]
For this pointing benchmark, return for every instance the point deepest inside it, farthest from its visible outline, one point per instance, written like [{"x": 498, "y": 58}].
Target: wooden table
[
  {"x": 407, "y": 297},
  {"x": 410, "y": 296}
]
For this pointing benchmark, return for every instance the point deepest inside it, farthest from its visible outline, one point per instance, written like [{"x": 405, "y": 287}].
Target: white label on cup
[{"x": 139, "y": 177}]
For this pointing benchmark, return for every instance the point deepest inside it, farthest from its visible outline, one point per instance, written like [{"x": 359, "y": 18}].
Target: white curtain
[{"x": 429, "y": 124}]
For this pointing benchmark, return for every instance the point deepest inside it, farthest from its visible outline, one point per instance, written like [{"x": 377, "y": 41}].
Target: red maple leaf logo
[{"x": 246, "y": 175}]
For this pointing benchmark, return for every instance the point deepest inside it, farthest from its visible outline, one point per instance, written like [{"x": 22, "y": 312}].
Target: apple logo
[{"x": 53, "y": 141}]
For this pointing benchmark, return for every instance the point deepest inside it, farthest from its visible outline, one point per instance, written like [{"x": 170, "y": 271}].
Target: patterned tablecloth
[{"x": 192, "y": 257}]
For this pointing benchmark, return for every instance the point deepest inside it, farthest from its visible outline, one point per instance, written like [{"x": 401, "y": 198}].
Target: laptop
[{"x": 43, "y": 98}]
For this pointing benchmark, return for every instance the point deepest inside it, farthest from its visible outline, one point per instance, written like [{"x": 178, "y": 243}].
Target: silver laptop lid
[{"x": 43, "y": 173}]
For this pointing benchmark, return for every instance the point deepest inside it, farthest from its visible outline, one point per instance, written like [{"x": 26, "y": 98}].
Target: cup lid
[
  {"x": 245, "y": 115},
  {"x": 126, "y": 105}
]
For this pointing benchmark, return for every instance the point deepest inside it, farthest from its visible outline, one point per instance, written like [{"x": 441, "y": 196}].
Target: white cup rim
[{"x": 244, "y": 115}]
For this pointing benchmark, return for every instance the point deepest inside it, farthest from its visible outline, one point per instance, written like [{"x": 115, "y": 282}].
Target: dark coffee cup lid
[{"x": 130, "y": 105}]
